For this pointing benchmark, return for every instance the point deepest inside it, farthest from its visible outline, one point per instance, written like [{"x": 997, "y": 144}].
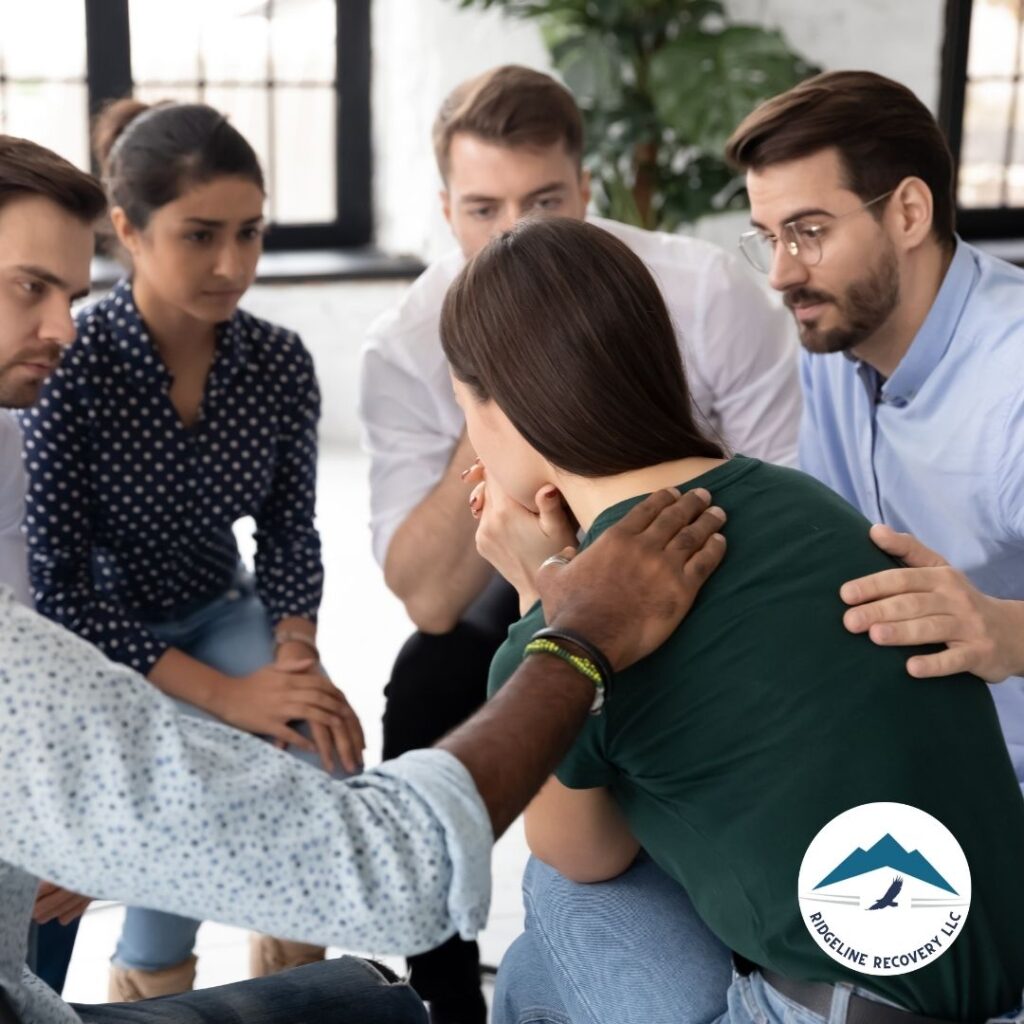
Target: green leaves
[
  {"x": 702, "y": 84},
  {"x": 661, "y": 85}
]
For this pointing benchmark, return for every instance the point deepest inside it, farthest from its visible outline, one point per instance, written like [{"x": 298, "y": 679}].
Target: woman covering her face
[
  {"x": 174, "y": 415},
  {"x": 723, "y": 754}
]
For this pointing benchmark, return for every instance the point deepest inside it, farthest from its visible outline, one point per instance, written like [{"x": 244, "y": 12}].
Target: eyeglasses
[{"x": 802, "y": 240}]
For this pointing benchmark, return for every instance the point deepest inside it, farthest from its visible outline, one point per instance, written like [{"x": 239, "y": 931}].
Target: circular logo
[{"x": 884, "y": 889}]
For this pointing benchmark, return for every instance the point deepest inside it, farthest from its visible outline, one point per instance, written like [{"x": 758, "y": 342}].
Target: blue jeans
[
  {"x": 233, "y": 635},
  {"x": 634, "y": 951},
  {"x": 629, "y": 950},
  {"x": 343, "y": 991}
]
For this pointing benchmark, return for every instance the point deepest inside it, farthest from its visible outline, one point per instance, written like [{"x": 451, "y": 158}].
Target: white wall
[
  {"x": 422, "y": 48},
  {"x": 898, "y": 38}
]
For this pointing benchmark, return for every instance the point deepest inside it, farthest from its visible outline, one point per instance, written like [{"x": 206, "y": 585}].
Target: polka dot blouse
[{"x": 130, "y": 513}]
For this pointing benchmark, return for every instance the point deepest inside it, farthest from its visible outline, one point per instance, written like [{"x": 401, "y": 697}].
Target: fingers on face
[{"x": 476, "y": 499}]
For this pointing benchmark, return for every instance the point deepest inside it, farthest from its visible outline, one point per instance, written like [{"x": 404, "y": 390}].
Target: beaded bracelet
[
  {"x": 582, "y": 665},
  {"x": 589, "y": 650}
]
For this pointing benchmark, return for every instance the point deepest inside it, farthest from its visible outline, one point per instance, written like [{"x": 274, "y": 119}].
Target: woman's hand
[
  {"x": 267, "y": 700},
  {"x": 514, "y": 539},
  {"x": 52, "y": 901},
  {"x": 347, "y": 738}
]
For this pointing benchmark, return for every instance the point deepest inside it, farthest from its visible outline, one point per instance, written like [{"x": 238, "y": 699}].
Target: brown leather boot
[
  {"x": 129, "y": 985},
  {"x": 268, "y": 955}
]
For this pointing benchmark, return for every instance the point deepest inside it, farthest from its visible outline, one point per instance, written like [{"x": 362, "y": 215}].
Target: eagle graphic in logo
[{"x": 889, "y": 899}]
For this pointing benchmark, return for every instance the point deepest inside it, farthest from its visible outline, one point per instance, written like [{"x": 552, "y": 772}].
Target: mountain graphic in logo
[{"x": 886, "y": 853}]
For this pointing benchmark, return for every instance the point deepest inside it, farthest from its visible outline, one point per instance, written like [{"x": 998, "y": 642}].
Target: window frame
[
  {"x": 109, "y": 76},
  {"x": 1000, "y": 222}
]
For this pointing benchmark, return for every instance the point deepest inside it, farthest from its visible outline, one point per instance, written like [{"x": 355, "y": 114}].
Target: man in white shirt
[{"x": 509, "y": 144}]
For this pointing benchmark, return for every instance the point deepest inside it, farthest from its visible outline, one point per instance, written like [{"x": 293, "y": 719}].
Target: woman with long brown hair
[{"x": 762, "y": 719}]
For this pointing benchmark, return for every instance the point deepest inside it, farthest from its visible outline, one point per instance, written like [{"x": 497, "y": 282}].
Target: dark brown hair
[
  {"x": 564, "y": 327},
  {"x": 151, "y": 155},
  {"x": 29, "y": 169},
  {"x": 511, "y": 106},
  {"x": 881, "y": 130}
]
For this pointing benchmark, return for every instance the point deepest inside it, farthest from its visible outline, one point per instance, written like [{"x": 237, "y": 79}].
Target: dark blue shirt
[{"x": 130, "y": 512}]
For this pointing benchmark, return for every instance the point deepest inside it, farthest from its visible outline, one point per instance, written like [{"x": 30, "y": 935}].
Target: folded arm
[{"x": 581, "y": 833}]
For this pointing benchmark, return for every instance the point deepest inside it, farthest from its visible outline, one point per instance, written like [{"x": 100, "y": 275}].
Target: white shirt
[
  {"x": 739, "y": 351},
  {"x": 13, "y": 555},
  {"x": 107, "y": 789}
]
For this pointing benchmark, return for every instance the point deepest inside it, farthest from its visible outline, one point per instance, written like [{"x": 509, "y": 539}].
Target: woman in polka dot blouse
[{"x": 173, "y": 415}]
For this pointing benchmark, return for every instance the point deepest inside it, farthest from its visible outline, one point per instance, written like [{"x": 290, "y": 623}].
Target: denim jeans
[
  {"x": 628, "y": 951},
  {"x": 233, "y": 635},
  {"x": 753, "y": 1001},
  {"x": 634, "y": 951},
  {"x": 343, "y": 991}
]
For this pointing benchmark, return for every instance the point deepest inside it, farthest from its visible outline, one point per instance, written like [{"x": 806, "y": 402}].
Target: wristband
[
  {"x": 582, "y": 665},
  {"x": 591, "y": 651}
]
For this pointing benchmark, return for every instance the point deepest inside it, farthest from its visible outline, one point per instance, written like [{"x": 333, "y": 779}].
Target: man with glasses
[
  {"x": 913, "y": 369},
  {"x": 913, "y": 385}
]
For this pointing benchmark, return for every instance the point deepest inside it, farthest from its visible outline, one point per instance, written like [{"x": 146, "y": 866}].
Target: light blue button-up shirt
[
  {"x": 107, "y": 789},
  {"x": 937, "y": 450}
]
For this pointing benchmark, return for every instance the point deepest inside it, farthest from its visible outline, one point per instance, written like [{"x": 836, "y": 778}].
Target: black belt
[{"x": 816, "y": 996}]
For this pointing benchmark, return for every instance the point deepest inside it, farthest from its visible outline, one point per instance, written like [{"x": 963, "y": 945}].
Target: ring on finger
[{"x": 555, "y": 560}]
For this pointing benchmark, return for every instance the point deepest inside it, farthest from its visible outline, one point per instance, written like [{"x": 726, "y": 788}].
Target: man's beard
[
  {"x": 864, "y": 307},
  {"x": 20, "y": 395}
]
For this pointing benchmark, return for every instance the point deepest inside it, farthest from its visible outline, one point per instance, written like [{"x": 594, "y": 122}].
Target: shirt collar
[
  {"x": 233, "y": 344},
  {"x": 936, "y": 333}
]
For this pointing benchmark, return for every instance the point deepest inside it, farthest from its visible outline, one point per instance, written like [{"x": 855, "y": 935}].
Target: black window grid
[
  {"x": 109, "y": 76},
  {"x": 1002, "y": 220}
]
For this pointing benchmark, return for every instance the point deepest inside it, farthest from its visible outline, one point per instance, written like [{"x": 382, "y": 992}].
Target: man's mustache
[
  {"x": 805, "y": 297},
  {"x": 49, "y": 356}
]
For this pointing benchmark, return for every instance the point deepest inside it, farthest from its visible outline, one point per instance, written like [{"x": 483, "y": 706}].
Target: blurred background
[{"x": 338, "y": 97}]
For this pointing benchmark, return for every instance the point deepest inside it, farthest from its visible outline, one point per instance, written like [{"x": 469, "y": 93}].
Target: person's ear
[
  {"x": 912, "y": 208},
  {"x": 585, "y": 188},
  {"x": 446, "y": 204},
  {"x": 127, "y": 232}
]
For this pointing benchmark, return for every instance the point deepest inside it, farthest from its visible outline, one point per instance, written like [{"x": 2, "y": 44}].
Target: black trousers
[{"x": 437, "y": 682}]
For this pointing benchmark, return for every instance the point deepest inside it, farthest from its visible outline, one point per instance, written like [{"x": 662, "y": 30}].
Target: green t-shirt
[{"x": 762, "y": 718}]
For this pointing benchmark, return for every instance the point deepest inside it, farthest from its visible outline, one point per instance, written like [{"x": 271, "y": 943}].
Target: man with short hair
[
  {"x": 913, "y": 384},
  {"x": 106, "y": 788},
  {"x": 50, "y": 206},
  {"x": 509, "y": 144},
  {"x": 912, "y": 370}
]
